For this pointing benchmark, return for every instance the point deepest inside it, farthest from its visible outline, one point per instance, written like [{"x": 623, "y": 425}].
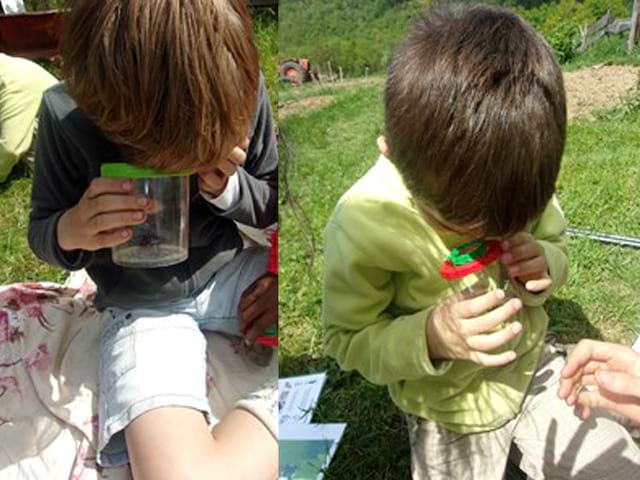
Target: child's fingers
[
  {"x": 101, "y": 185},
  {"x": 490, "y": 321},
  {"x": 536, "y": 286},
  {"x": 107, "y": 222},
  {"x": 538, "y": 275},
  {"x": 266, "y": 320},
  {"x": 517, "y": 239},
  {"x": 523, "y": 251},
  {"x": 237, "y": 157},
  {"x": 115, "y": 203},
  {"x": 110, "y": 239},
  {"x": 486, "y": 343},
  {"x": 211, "y": 179},
  {"x": 253, "y": 293},
  {"x": 493, "y": 360},
  {"x": 476, "y": 306},
  {"x": 249, "y": 314},
  {"x": 534, "y": 266},
  {"x": 228, "y": 167}
]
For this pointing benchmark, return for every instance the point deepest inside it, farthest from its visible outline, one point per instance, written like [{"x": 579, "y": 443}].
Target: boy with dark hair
[
  {"x": 475, "y": 131},
  {"x": 175, "y": 86}
]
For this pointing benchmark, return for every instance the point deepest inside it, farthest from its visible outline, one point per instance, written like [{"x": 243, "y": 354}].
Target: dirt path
[
  {"x": 307, "y": 104},
  {"x": 589, "y": 90},
  {"x": 310, "y": 102},
  {"x": 598, "y": 88}
]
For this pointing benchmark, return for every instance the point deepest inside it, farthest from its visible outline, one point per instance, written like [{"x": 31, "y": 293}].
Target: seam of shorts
[
  {"x": 271, "y": 427},
  {"x": 108, "y": 425},
  {"x": 114, "y": 338}
]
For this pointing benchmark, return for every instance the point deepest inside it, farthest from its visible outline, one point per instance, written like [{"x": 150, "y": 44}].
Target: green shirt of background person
[{"x": 21, "y": 85}]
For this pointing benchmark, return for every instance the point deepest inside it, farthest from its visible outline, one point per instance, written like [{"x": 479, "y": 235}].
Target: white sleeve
[{"x": 229, "y": 197}]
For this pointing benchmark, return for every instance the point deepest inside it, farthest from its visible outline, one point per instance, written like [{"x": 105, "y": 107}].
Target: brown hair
[
  {"x": 476, "y": 117},
  {"x": 173, "y": 82}
]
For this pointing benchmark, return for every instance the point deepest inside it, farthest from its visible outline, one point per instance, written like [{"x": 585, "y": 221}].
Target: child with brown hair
[
  {"x": 474, "y": 135},
  {"x": 174, "y": 86}
]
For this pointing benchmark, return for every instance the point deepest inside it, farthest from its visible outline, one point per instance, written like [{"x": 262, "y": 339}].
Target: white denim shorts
[{"x": 158, "y": 357}]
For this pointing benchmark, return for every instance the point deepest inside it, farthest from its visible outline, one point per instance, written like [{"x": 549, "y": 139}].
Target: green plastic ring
[
  {"x": 468, "y": 252},
  {"x": 126, "y": 170}
]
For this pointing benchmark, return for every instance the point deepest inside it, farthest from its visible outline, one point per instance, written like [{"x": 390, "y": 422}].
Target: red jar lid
[{"x": 470, "y": 258}]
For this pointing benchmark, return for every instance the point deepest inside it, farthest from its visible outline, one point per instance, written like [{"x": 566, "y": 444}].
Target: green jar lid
[
  {"x": 271, "y": 332},
  {"x": 468, "y": 252},
  {"x": 126, "y": 170}
]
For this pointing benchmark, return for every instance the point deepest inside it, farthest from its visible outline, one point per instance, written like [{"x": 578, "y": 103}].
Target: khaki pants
[{"x": 554, "y": 442}]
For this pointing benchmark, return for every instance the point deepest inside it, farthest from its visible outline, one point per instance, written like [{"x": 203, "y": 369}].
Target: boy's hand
[
  {"x": 258, "y": 309},
  {"x": 613, "y": 369},
  {"x": 526, "y": 262},
  {"x": 215, "y": 181},
  {"x": 462, "y": 329},
  {"x": 102, "y": 216}
]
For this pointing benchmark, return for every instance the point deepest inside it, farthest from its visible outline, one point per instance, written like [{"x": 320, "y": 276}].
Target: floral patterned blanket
[
  {"x": 49, "y": 352},
  {"x": 49, "y": 347}
]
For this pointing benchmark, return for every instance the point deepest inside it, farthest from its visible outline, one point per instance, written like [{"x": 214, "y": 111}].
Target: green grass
[
  {"x": 266, "y": 35},
  {"x": 354, "y": 35},
  {"x": 612, "y": 49},
  {"x": 19, "y": 264},
  {"x": 325, "y": 151},
  {"x": 36, "y": 5}
]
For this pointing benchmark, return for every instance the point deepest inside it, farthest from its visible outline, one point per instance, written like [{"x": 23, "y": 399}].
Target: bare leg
[{"x": 172, "y": 442}]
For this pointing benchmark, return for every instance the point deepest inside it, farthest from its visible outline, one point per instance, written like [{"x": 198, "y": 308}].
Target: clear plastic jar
[
  {"x": 475, "y": 269},
  {"x": 163, "y": 239}
]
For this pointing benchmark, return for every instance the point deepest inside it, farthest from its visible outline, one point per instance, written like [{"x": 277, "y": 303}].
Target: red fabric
[
  {"x": 273, "y": 260},
  {"x": 272, "y": 268}
]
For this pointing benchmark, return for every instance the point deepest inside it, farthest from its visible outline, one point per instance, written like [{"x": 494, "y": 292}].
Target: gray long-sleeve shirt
[{"x": 69, "y": 151}]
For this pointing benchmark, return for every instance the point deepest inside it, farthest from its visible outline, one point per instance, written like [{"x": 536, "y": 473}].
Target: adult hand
[{"x": 615, "y": 372}]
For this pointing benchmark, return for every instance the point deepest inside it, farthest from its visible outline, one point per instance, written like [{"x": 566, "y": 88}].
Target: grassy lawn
[
  {"x": 609, "y": 49},
  {"x": 19, "y": 264},
  {"x": 326, "y": 150}
]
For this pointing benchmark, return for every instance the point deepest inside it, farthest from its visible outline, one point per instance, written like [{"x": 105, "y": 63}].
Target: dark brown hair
[
  {"x": 173, "y": 82},
  {"x": 476, "y": 117}
]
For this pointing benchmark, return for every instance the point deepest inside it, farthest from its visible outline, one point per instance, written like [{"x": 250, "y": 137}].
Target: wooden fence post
[
  {"x": 634, "y": 24},
  {"x": 583, "y": 37}
]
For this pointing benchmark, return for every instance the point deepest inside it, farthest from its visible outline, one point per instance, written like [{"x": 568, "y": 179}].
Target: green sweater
[
  {"x": 21, "y": 85},
  {"x": 382, "y": 279}
]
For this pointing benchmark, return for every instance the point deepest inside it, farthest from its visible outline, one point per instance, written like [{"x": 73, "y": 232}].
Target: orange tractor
[{"x": 295, "y": 71}]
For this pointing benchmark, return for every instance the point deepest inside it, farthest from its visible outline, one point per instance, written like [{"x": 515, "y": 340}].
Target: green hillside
[{"x": 359, "y": 34}]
